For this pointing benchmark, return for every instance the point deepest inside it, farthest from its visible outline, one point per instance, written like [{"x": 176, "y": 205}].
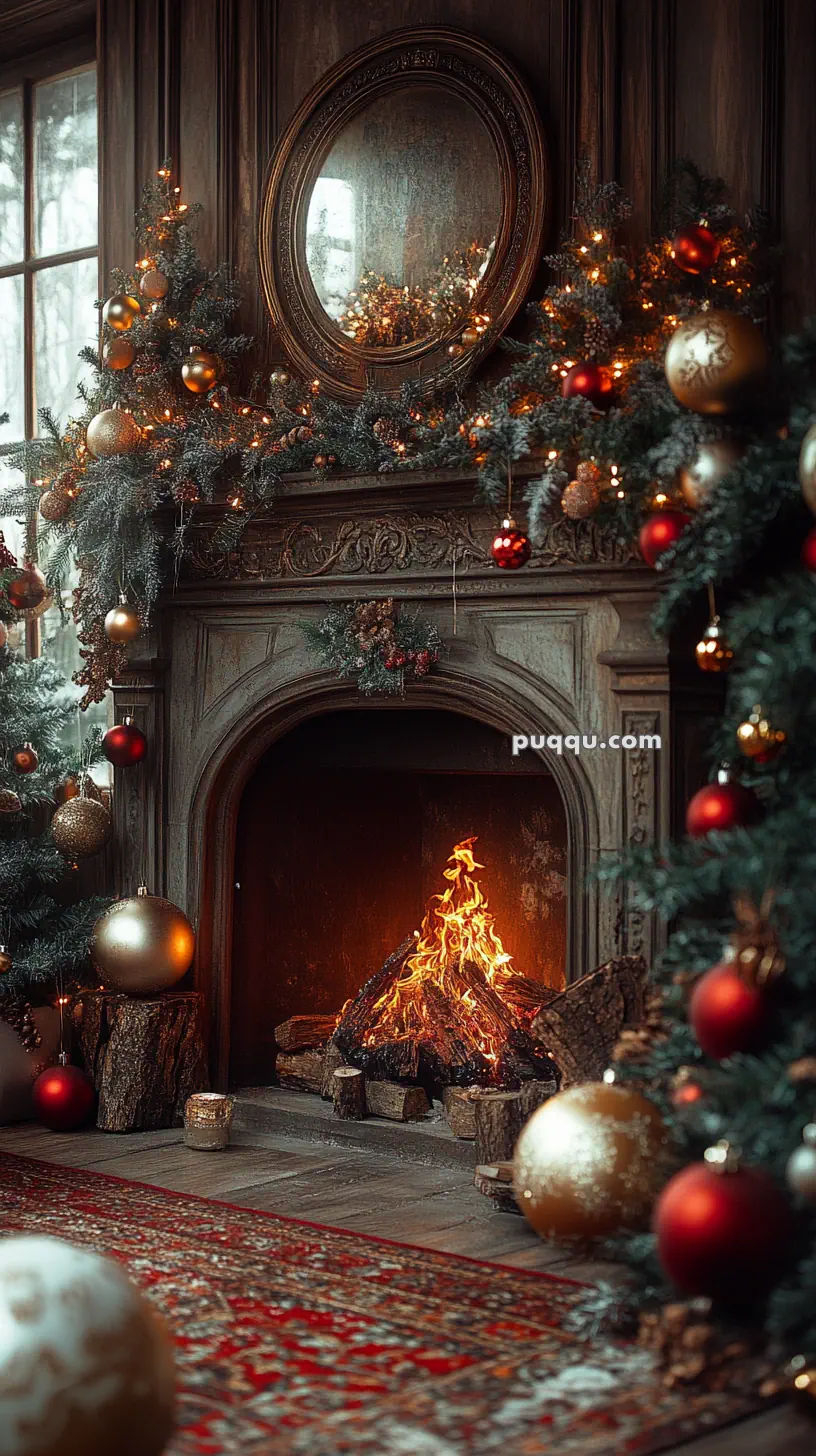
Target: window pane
[
  {"x": 11, "y": 177},
  {"x": 65, "y": 320},
  {"x": 65, "y": 188}
]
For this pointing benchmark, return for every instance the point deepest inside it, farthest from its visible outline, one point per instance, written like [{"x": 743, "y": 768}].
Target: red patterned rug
[{"x": 296, "y": 1340}]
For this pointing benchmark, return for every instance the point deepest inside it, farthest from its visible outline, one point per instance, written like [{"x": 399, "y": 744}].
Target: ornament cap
[
  {"x": 142, "y": 891},
  {"x": 508, "y": 524},
  {"x": 63, "y": 1059},
  {"x": 723, "y": 1157}
]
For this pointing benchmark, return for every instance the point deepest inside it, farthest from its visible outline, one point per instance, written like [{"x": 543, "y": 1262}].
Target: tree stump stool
[{"x": 145, "y": 1056}]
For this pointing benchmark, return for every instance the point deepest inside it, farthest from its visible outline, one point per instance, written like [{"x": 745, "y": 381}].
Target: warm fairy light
[
  {"x": 583, "y": 249},
  {"x": 167, "y": 415},
  {"x": 315, "y": 386},
  {"x": 613, "y": 470},
  {"x": 176, "y": 190},
  {"x": 595, "y": 275},
  {"x": 620, "y": 494},
  {"x": 458, "y": 928},
  {"x": 144, "y": 263},
  {"x": 661, "y": 498},
  {"x": 236, "y": 501},
  {"x": 254, "y": 444},
  {"x": 167, "y": 465},
  {"x": 597, "y": 237},
  {"x": 163, "y": 172},
  {"x": 215, "y": 404},
  {"x": 733, "y": 262},
  {"x": 552, "y": 454},
  {"x": 245, "y": 410},
  {"x": 266, "y": 419},
  {"x": 481, "y": 422}
]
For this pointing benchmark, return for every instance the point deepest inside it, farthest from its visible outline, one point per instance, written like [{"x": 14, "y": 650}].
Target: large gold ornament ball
[
  {"x": 154, "y": 285},
  {"x": 112, "y": 432},
  {"x": 716, "y": 362},
  {"x": 120, "y": 311},
  {"x": 581, "y": 498},
  {"x": 122, "y": 624},
  {"x": 807, "y": 467},
  {"x": 200, "y": 371},
  {"x": 81, "y": 827},
  {"x": 55, "y": 504},
  {"x": 590, "y": 1161},
  {"x": 143, "y": 944},
  {"x": 119, "y": 353},
  {"x": 713, "y": 461},
  {"x": 86, "y": 1363}
]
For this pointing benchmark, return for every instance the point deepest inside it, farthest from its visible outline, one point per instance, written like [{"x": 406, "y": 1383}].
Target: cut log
[
  {"x": 393, "y": 1100},
  {"x": 302, "y": 1032},
  {"x": 460, "y": 1112},
  {"x": 495, "y": 1180},
  {"x": 303, "y": 1072},
  {"x": 500, "y": 1116},
  {"x": 580, "y": 1026},
  {"x": 332, "y": 1060},
  {"x": 145, "y": 1056},
  {"x": 349, "y": 1094},
  {"x": 532, "y": 1094}
]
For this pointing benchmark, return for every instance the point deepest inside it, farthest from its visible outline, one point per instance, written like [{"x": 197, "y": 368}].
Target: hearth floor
[{"x": 372, "y": 1193}]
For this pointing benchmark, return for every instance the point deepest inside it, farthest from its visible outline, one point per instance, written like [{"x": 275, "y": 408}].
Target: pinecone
[
  {"x": 186, "y": 493},
  {"x": 385, "y": 430},
  {"x": 692, "y": 1349},
  {"x": 16, "y": 1012},
  {"x": 597, "y": 338},
  {"x": 635, "y": 1044}
]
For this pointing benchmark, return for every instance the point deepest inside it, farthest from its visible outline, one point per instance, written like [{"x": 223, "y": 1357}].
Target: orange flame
[{"x": 458, "y": 929}]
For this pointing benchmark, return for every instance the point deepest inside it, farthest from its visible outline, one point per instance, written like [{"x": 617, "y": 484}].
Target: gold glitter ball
[
  {"x": 80, "y": 828},
  {"x": 590, "y": 1161}
]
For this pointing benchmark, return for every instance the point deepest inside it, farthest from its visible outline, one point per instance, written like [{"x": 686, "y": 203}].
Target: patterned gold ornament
[
  {"x": 757, "y": 738},
  {"x": 86, "y": 1362},
  {"x": 713, "y": 651},
  {"x": 112, "y": 432},
  {"x": 54, "y": 504},
  {"x": 81, "y": 827},
  {"x": 154, "y": 285},
  {"x": 716, "y": 362},
  {"x": 9, "y": 802},
  {"x": 122, "y": 624},
  {"x": 581, "y": 498},
  {"x": 200, "y": 371},
  {"x": 119, "y": 353},
  {"x": 713, "y": 461},
  {"x": 143, "y": 944},
  {"x": 807, "y": 467},
  {"x": 120, "y": 311},
  {"x": 590, "y": 1161}
]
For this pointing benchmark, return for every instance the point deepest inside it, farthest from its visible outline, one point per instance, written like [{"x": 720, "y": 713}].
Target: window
[{"x": 48, "y": 276}]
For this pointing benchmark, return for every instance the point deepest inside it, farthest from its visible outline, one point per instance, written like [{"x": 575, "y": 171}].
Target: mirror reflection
[{"x": 403, "y": 218}]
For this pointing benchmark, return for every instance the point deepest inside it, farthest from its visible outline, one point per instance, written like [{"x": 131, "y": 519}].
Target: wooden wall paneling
[
  {"x": 199, "y": 116},
  {"x": 254, "y": 91},
  {"x": 27, "y": 26},
  {"x": 797, "y": 152},
  {"x": 118, "y": 180}
]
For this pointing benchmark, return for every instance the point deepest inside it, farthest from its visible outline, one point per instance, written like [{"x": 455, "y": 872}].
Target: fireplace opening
[{"x": 345, "y": 832}]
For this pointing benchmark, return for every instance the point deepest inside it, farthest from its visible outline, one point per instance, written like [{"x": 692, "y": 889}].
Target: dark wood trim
[
  {"x": 772, "y": 110},
  {"x": 35, "y": 265},
  {"x": 570, "y": 120},
  {"x": 664, "y": 21},
  {"x": 170, "y": 84},
  {"x": 118, "y": 182},
  {"x": 28, "y": 28}
]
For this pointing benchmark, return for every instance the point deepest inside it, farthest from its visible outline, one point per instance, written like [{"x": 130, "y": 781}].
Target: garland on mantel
[
  {"x": 375, "y": 644},
  {"x": 162, "y": 425}
]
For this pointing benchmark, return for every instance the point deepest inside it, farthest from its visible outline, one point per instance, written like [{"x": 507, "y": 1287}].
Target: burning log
[
  {"x": 400, "y": 1104},
  {"x": 300, "y": 1033},
  {"x": 349, "y": 1094},
  {"x": 522, "y": 994}
]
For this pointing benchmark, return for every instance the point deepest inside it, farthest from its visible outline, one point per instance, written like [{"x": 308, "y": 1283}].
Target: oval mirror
[{"x": 403, "y": 213}]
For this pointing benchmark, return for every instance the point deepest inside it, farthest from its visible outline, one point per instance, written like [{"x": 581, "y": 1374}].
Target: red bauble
[
  {"x": 28, "y": 590},
  {"x": 511, "y": 548},
  {"x": 64, "y": 1098},
  {"x": 124, "y": 744},
  {"x": 809, "y": 550},
  {"x": 721, "y": 806},
  {"x": 591, "y": 381},
  {"x": 659, "y": 533},
  {"x": 695, "y": 248},
  {"x": 724, "y": 1235},
  {"x": 726, "y": 1013}
]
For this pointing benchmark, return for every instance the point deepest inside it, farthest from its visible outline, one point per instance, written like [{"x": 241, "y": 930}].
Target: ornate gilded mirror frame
[{"x": 429, "y": 57}]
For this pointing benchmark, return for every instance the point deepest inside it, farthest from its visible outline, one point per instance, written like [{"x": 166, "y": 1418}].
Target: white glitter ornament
[
  {"x": 590, "y": 1161},
  {"x": 86, "y": 1366}
]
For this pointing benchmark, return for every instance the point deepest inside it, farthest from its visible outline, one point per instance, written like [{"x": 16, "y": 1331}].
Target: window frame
[{"x": 24, "y": 74}]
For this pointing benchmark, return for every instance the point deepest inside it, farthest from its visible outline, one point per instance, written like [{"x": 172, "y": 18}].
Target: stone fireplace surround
[{"x": 562, "y": 646}]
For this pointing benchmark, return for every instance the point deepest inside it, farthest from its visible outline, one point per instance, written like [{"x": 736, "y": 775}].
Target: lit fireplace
[{"x": 448, "y": 1008}]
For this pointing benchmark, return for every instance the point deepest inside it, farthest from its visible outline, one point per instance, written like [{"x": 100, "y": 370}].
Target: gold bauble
[
  {"x": 54, "y": 504},
  {"x": 200, "y": 371},
  {"x": 112, "y": 432},
  {"x": 86, "y": 1361},
  {"x": 119, "y": 353},
  {"x": 807, "y": 467},
  {"x": 81, "y": 827},
  {"x": 716, "y": 362},
  {"x": 280, "y": 378},
  {"x": 758, "y": 739},
  {"x": 143, "y": 944},
  {"x": 122, "y": 623},
  {"x": 455, "y": 349},
  {"x": 713, "y": 461},
  {"x": 713, "y": 651},
  {"x": 581, "y": 498},
  {"x": 154, "y": 285},
  {"x": 590, "y": 1161},
  {"x": 470, "y": 336},
  {"x": 9, "y": 802},
  {"x": 121, "y": 310}
]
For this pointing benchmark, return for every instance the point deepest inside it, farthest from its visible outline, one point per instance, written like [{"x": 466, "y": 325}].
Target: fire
[{"x": 458, "y": 935}]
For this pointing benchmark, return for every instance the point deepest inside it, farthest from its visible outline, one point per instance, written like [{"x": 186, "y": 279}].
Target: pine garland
[{"x": 373, "y": 643}]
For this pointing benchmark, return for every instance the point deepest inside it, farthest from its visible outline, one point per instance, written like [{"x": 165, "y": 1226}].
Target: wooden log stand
[
  {"x": 145, "y": 1056},
  {"x": 349, "y": 1094}
]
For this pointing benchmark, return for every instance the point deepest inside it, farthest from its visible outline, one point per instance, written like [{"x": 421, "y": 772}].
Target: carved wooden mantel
[{"x": 563, "y": 646}]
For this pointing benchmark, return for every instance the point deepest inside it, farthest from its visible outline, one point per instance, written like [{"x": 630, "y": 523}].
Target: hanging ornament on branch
[
  {"x": 124, "y": 745},
  {"x": 716, "y": 362},
  {"x": 200, "y": 371},
  {"x": 119, "y": 353},
  {"x": 589, "y": 381},
  {"x": 25, "y": 760},
  {"x": 122, "y": 623},
  {"x": 154, "y": 285},
  {"x": 55, "y": 504},
  {"x": 659, "y": 532},
  {"x": 63, "y": 1097},
  {"x": 807, "y": 467},
  {"x": 6, "y": 961},
  {"x": 10, "y": 803},
  {"x": 121, "y": 311},
  {"x": 808, "y": 555},
  {"x": 714, "y": 460},
  {"x": 723, "y": 1230},
  {"x": 723, "y": 805},
  {"x": 27, "y": 591},
  {"x": 112, "y": 432},
  {"x": 713, "y": 651},
  {"x": 726, "y": 1012},
  {"x": 758, "y": 739},
  {"x": 511, "y": 548},
  {"x": 581, "y": 499},
  {"x": 695, "y": 248},
  {"x": 80, "y": 828}
]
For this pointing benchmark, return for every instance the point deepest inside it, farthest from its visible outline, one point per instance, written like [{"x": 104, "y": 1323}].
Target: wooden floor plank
[{"x": 369, "y": 1194}]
